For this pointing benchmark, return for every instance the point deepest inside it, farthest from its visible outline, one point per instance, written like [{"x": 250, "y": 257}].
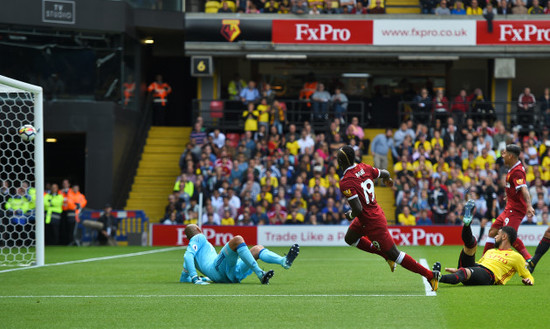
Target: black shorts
[{"x": 480, "y": 276}]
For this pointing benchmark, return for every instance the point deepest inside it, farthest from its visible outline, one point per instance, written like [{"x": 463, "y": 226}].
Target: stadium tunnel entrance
[{"x": 65, "y": 158}]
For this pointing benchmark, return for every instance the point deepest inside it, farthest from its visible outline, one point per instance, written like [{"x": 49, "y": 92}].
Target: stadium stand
[{"x": 438, "y": 171}]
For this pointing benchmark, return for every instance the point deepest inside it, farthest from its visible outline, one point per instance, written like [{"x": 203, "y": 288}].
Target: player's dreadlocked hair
[
  {"x": 514, "y": 149},
  {"x": 345, "y": 157},
  {"x": 512, "y": 234}
]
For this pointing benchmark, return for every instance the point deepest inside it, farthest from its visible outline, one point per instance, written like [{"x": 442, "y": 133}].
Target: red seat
[{"x": 216, "y": 109}]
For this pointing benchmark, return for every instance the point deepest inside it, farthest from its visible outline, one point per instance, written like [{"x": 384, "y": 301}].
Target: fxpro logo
[
  {"x": 526, "y": 33},
  {"x": 217, "y": 239},
  {"x": 324, "y": 32},
  {"x": 416, "y": 237}
]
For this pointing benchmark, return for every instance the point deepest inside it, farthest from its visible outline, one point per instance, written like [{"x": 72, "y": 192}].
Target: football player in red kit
[
  {"x": 368, "y": 230},
  {"x": 518, "y": 200}
]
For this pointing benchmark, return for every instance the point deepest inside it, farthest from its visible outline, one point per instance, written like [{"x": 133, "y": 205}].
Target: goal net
[{"x": 21, "y": 175}]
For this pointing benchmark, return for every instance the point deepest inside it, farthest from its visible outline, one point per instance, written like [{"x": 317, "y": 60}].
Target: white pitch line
[
  {"x": 427, "y": 285},
  {"x": 95, "y": 259},
  {"x": 207, "y": 296}
]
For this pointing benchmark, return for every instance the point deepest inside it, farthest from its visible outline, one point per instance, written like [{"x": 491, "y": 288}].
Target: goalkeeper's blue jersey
[{"x": 203, "y": 258}]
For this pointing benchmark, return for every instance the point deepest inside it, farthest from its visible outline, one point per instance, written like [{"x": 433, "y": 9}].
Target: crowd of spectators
[
  {"x": 286, "y": 174},
  {"x": 484, "y": 7},
  {"x": 457, "y": 157},
  {"x": 299, "y": 7},
  {"x": 437, "y": 7}
]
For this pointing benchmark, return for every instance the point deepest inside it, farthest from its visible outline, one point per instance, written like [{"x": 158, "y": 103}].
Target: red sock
[
  {"x": 488, "y": 245},
  {"x": 366, "y": 245},
  {"x": 520, "y": 247},
  {"x": 412, "y": 265}
]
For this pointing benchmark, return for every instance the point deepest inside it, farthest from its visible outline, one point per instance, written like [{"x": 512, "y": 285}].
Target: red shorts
[
  {"x": 508, "y": 217},
  {"x": 377, "y": 232}
]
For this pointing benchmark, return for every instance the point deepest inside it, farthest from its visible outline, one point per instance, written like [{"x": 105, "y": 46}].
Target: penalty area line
[
  {"x": 95, "y": 259},
  {"x": 208, "y": 296},
  {"x": 427, "y": 285}
]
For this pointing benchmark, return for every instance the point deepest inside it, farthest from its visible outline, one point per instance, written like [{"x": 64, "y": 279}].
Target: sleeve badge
[{"x": 520, "y": 181}]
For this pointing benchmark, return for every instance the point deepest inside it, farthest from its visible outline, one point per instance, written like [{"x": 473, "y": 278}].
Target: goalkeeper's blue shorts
[{"x": 230, "y": 267}]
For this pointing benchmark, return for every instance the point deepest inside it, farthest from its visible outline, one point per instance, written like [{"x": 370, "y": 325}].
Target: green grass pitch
[{"x": 328, "y": 287}]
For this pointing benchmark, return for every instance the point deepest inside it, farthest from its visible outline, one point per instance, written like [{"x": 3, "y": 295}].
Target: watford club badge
[{"x": 230, "y": 29}]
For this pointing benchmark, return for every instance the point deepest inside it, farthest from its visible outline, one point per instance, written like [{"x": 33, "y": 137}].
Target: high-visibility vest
[
  {"x": 234, "y": 88},
  {"x": 79, "y": 198},
  {"x": 129, "y": 89},
  {"x": 52, "y": 204},
  {"x": 31, "y": 193},
  {"x": 308, "y": 90},
  {"x": 68, "y": 203},
  {"x": 188, "y": 187},
  {"x": 18, "y": 203},
  {"x": 160, "y": 92}
]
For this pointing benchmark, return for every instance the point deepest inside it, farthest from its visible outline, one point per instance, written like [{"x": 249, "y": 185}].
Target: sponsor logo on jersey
[
  {"x": 230, "y": 29},
  {"x": 520, "y": 181},
  {"x": 347, "y": 193}
]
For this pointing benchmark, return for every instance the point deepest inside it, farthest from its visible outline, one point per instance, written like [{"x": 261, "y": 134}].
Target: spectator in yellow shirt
[
  {"x": 483, "y": 158},
  {"x": 402, "y": 165},
  {"x": 317, "y": 172},
  {"x": 269, "y": 177},
  {"x": 437, "y": 139},
  {"x": 251, "y": 115},
  {"x": 227, "y": 219},
  {"x": 474, "y": 9},
  {"x": 265, "y": 195},
  {"x": 469, "y": 162},
  {"x": 263, "y": 113},
  {"x": 444, "y": 166},
  {"x": 422, "y": 141},
  {"x": 292, "y": 145},
  {"x": 406, "y": 218}
]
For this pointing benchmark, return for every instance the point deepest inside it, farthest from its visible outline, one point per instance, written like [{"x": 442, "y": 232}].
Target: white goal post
[{"x": 21, "y": 169}]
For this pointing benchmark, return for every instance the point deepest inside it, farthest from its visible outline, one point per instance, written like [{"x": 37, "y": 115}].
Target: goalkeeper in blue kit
[{"x": 234, "y": 262}]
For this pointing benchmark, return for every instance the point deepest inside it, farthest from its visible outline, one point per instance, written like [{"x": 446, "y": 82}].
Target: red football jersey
[
  {"x": 515, "y": 179},
  {"x": 358, "y": 182}
]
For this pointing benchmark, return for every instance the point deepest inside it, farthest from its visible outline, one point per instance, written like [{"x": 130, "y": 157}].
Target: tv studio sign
[{"x": 58, "y": 11}]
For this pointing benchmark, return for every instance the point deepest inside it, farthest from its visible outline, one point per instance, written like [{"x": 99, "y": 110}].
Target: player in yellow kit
[{"x": 496, "y": 266}]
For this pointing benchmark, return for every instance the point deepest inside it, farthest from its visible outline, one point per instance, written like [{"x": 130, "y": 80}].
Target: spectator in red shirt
[
  {"x": 526, "y": 107},
  {"x": 225, "y": 163},
  {"x": 460, "y": 107},
  {"x": 277, "y": 215}
]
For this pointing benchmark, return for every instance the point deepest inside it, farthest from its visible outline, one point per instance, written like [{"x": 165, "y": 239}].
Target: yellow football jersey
[{"x": 504, "y": 263}]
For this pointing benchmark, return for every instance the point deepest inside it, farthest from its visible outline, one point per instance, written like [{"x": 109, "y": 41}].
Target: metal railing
[
  {"x": 228, "y": 114},
  {"x": 507, "y": 112}
]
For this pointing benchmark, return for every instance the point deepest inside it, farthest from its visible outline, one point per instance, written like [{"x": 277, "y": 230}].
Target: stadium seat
[
  {"x": 211, "y": 7},
  {"x": 216, "y": 110}
]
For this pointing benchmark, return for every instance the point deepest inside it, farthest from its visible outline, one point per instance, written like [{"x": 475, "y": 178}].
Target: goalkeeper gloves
[{"x": 198, "y": 280}]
